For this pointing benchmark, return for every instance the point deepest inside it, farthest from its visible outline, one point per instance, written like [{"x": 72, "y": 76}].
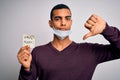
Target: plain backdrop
[{"x": 18, "y": 17}]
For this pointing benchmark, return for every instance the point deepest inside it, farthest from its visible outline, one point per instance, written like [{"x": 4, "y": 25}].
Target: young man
[{"x": 63, "y": 59}]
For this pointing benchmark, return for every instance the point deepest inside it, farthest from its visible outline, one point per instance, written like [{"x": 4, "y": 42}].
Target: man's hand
[
  {"x": 24, "y": 57},
  {"x": 95, "y": 25}
]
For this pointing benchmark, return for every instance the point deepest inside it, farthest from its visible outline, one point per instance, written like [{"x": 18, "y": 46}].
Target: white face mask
[{"x": 61, "y": 34}]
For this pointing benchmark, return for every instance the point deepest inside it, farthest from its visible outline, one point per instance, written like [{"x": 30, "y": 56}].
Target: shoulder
[
  {"x": 83, "y": 44},
  {"x": 88, "y": 45}
]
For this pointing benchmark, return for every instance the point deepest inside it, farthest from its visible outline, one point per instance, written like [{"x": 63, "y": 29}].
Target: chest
[{"x": 74, "y": 61}]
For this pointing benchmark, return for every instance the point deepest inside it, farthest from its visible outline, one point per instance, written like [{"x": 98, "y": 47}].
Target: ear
[{"x": 51, "y": 23}]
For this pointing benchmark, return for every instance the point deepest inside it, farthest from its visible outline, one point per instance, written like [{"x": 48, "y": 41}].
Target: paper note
[{"x": 29, "y": 40}]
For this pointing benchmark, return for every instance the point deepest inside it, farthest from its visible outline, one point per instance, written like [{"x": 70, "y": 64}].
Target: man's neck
[{"x": 61, "y": 44}]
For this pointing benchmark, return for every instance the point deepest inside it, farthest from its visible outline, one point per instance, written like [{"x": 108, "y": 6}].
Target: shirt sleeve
[
  {"x": 112, "y": 34},
  {"x": 110, "y": 51}
]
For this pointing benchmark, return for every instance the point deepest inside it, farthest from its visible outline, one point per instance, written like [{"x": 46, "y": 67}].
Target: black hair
[{"x": 58, "y": 6}]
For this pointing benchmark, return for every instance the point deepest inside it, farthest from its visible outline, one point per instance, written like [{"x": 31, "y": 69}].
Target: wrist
[
  {"x": 26, "y": 68},
  {"x": 105, "y": 29}
]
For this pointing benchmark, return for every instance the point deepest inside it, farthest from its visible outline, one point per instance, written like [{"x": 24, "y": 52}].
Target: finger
[
  {"x": 87, "y": 35},
  {"x": 90, "y": 22},
  {"x": 88, "y": 26},
  {"x": 94, "y": 19},
  {"x": 25, "y": 52},
  {"x": 95, "y": 16},
  {"x": 28, "y": 48},
  {"x": 24, "y": 57}
]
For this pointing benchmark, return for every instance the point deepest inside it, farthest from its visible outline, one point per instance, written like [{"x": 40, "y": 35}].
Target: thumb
[{"x": 87, "y": 35}]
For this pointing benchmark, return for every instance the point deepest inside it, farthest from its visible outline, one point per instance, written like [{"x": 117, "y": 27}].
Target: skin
[{"x": 62, "y": 20}]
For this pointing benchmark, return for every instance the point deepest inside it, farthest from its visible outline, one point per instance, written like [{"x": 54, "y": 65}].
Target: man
[{"x": 63, "y": 59}]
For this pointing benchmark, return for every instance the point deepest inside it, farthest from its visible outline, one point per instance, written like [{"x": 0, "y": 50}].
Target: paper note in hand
[{"x": 29, "y": 40}]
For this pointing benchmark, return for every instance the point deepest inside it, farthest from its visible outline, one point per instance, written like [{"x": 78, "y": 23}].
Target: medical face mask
[{"x": 61, "y": 34}]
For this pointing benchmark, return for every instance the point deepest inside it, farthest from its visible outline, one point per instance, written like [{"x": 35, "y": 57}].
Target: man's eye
[
  {"x": 68, "y": 18},
  {"x": 57, "y": 19}
]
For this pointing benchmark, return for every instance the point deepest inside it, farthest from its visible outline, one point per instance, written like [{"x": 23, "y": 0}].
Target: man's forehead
[{"x": 61, "y": 12}]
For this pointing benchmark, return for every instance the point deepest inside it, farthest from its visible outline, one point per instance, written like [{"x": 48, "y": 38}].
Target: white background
[{"x": 18, "y": 17}]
